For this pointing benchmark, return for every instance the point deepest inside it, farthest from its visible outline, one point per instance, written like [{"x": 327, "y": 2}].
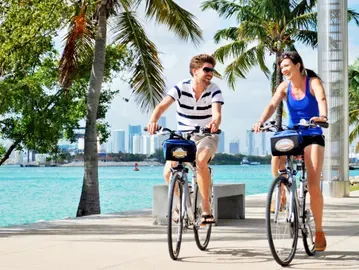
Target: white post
[{"x": 333, "y": 69}]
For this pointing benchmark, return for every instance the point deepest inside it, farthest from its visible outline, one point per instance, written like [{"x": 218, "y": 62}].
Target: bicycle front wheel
[
  {"x": 282, "y": 223},
  {"x": 308, "y": 226},
  {"x": 175, "y": 218},
  {"x": 202, "y": 233}
]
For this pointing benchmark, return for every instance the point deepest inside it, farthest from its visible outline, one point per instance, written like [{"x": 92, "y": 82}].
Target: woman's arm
[
  {"x": 318, "y": 89},
  {"x": 278, "y": 96}
]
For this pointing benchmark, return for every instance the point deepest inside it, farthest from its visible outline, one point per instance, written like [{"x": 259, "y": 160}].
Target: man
[{"x": 199, "y": 103}]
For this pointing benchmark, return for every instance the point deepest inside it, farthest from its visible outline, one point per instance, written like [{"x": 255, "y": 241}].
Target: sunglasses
[{"x": 208, "y": 69}]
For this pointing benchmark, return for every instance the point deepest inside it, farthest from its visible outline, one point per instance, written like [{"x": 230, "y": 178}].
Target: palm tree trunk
[
  {"x": 90, "y": 197},
  {"x": 279, "y": 79}
]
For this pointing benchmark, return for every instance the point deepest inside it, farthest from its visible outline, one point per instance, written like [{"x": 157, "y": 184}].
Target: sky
[{"x": 242, "y": 106}]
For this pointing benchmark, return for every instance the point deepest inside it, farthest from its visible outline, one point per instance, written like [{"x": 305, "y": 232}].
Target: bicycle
[
  {"x": 186, "y": 213},
  {"x": 287, "y": 212}
]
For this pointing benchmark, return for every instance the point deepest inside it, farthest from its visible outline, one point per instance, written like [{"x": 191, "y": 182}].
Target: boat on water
[
  {"x": 254, "y": 163},
  {"x": 246, "y": 162},
  {"x": 30, "y": 165}
]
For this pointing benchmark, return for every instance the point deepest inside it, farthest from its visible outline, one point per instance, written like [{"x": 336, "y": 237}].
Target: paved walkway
[{"x": 132, "y": 242}]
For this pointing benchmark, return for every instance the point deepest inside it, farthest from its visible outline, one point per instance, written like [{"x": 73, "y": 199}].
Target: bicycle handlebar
[
  {"x": 272, "y": 127},
  {"x": 197, "y": 130}
]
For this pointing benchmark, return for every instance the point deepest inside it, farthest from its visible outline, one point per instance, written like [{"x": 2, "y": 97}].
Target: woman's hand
[{"x": 321, "y": 118}]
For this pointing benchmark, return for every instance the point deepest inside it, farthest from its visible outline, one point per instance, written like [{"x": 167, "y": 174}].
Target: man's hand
[
  {"x": 213, "y": 126},
  {"x": 152, "y": 127},
  {"x": 257, "y": 126}
]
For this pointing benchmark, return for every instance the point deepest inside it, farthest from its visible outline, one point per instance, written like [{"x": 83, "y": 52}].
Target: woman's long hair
[{"x": 295, "y": 58}]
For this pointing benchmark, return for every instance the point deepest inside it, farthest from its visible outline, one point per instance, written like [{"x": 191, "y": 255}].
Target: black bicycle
[
  {"x": 184, "y": 199},
  {"x": 288, "y": 209}
]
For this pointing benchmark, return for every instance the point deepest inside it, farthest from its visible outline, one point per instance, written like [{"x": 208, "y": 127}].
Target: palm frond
[
  {"x": 230, "y": 33},
  {"x": 353, "y": 15},
  {"x": 303, "y": 7},
  {"x": 354, "y": 133},
  {"x": 224, "y": 8},
  {"x": 307, "y": 37},
  {"x": 261, "y": 52},
  {"x": 177, "y": 19},
  {"x": 241, "y": 66},
  {"x": 307, "y": 21},
  {"x": 79, "y": 43},
  {"x": 253, "y": 30},
  {"x": 231, "y": 50},
  {"x": 147, "y": 79}
]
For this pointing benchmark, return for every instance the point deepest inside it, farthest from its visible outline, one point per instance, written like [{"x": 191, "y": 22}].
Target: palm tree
[
  {"x": 354, "y": 102},
  {"x": 147, "y": 79},
  {"x": 264, "y": 27}
]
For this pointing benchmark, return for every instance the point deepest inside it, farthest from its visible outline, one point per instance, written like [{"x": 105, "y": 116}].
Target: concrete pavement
[{"x": 121, "y": 241}]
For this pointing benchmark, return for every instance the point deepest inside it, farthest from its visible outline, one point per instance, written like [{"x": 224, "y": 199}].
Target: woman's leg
[{"x": 313, "y": 158}]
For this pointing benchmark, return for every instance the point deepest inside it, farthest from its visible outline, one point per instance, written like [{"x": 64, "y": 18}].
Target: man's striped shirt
[{"x": 189, "y": 112}]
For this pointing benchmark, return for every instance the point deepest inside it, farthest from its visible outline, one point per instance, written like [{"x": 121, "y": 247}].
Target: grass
[{"x": 354, "y": 187}]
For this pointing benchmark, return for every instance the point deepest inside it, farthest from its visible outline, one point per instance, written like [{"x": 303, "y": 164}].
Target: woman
[{"x": 305, "y": 97}]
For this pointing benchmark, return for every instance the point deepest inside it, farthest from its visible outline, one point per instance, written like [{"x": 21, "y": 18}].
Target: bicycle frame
[{"x": 294, "y": 197}]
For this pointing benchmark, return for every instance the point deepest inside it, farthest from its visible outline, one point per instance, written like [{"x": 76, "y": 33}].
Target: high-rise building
[
  {"x": 162, "y": 121},
  {"x": 250, "y": 143},
  {"x": 221, "y": 143},
  {"x": 137, "y": 144},
  {"x": 18, "y": 157},
  {"x": 155, "y": 143},
  {"x": 118, "y": 141},
  {"x": 263, "y": 145},
  {"x": 146, "y": 144},
  {"x": 132, "y": 130},
  {"x": 234, "y": 147}
]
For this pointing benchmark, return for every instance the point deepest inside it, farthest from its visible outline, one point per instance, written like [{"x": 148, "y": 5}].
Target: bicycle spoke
[
  {"x": 308, "y": 230},
  {"x": 175, "y": 219},
  {"x": 202, "y": 233},
  {"x": 282, "y": 226}
]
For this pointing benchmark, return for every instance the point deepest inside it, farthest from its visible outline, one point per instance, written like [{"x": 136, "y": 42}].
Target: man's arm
[
  {"x": 319, "y": 94},
  {"x": 216, "y": 116},
  {"x": 157, "y": 112}
]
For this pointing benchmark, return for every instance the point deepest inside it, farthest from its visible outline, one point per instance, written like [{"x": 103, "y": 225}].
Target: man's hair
[{"x": 199, "y": 60}]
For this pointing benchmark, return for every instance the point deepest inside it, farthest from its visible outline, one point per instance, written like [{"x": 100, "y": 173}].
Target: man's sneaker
[{"x": 320, "y": 242}]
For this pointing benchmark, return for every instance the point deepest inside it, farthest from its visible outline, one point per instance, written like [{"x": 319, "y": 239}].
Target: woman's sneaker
[{"x": 320, "y": 241}]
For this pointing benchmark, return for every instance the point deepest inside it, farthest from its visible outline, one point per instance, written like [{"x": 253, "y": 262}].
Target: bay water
[{"x": 31, "y": 194}]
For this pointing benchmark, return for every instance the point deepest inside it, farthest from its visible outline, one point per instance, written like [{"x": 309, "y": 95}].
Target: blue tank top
[{"x": 304, "y": 108}]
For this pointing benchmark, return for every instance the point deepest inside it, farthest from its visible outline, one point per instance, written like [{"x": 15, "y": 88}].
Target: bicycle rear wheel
[
  {"x": 175, "y": 218},
  {"x": 282, "y": 226},
  {"x": 308, "y": 226},
  {"x": 202, "y": 233}
]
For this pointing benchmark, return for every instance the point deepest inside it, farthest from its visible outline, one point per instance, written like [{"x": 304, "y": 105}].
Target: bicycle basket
[
  {"x": 179, "y": 150},
  {"x": 287, "y": 142}
]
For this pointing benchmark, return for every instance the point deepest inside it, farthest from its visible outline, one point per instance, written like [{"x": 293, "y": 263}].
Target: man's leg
[
  {"x": 167, "y": 170},
  {"x": 278, "y": 163},
  {"x": 204, "y": 177}
]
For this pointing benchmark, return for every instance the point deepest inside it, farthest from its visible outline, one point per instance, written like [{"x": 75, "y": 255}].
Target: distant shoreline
[{"x": 115, "y": 164}]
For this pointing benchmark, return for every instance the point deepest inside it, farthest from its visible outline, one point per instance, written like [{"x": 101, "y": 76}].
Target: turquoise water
[{"x": 46, "y": 193}]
